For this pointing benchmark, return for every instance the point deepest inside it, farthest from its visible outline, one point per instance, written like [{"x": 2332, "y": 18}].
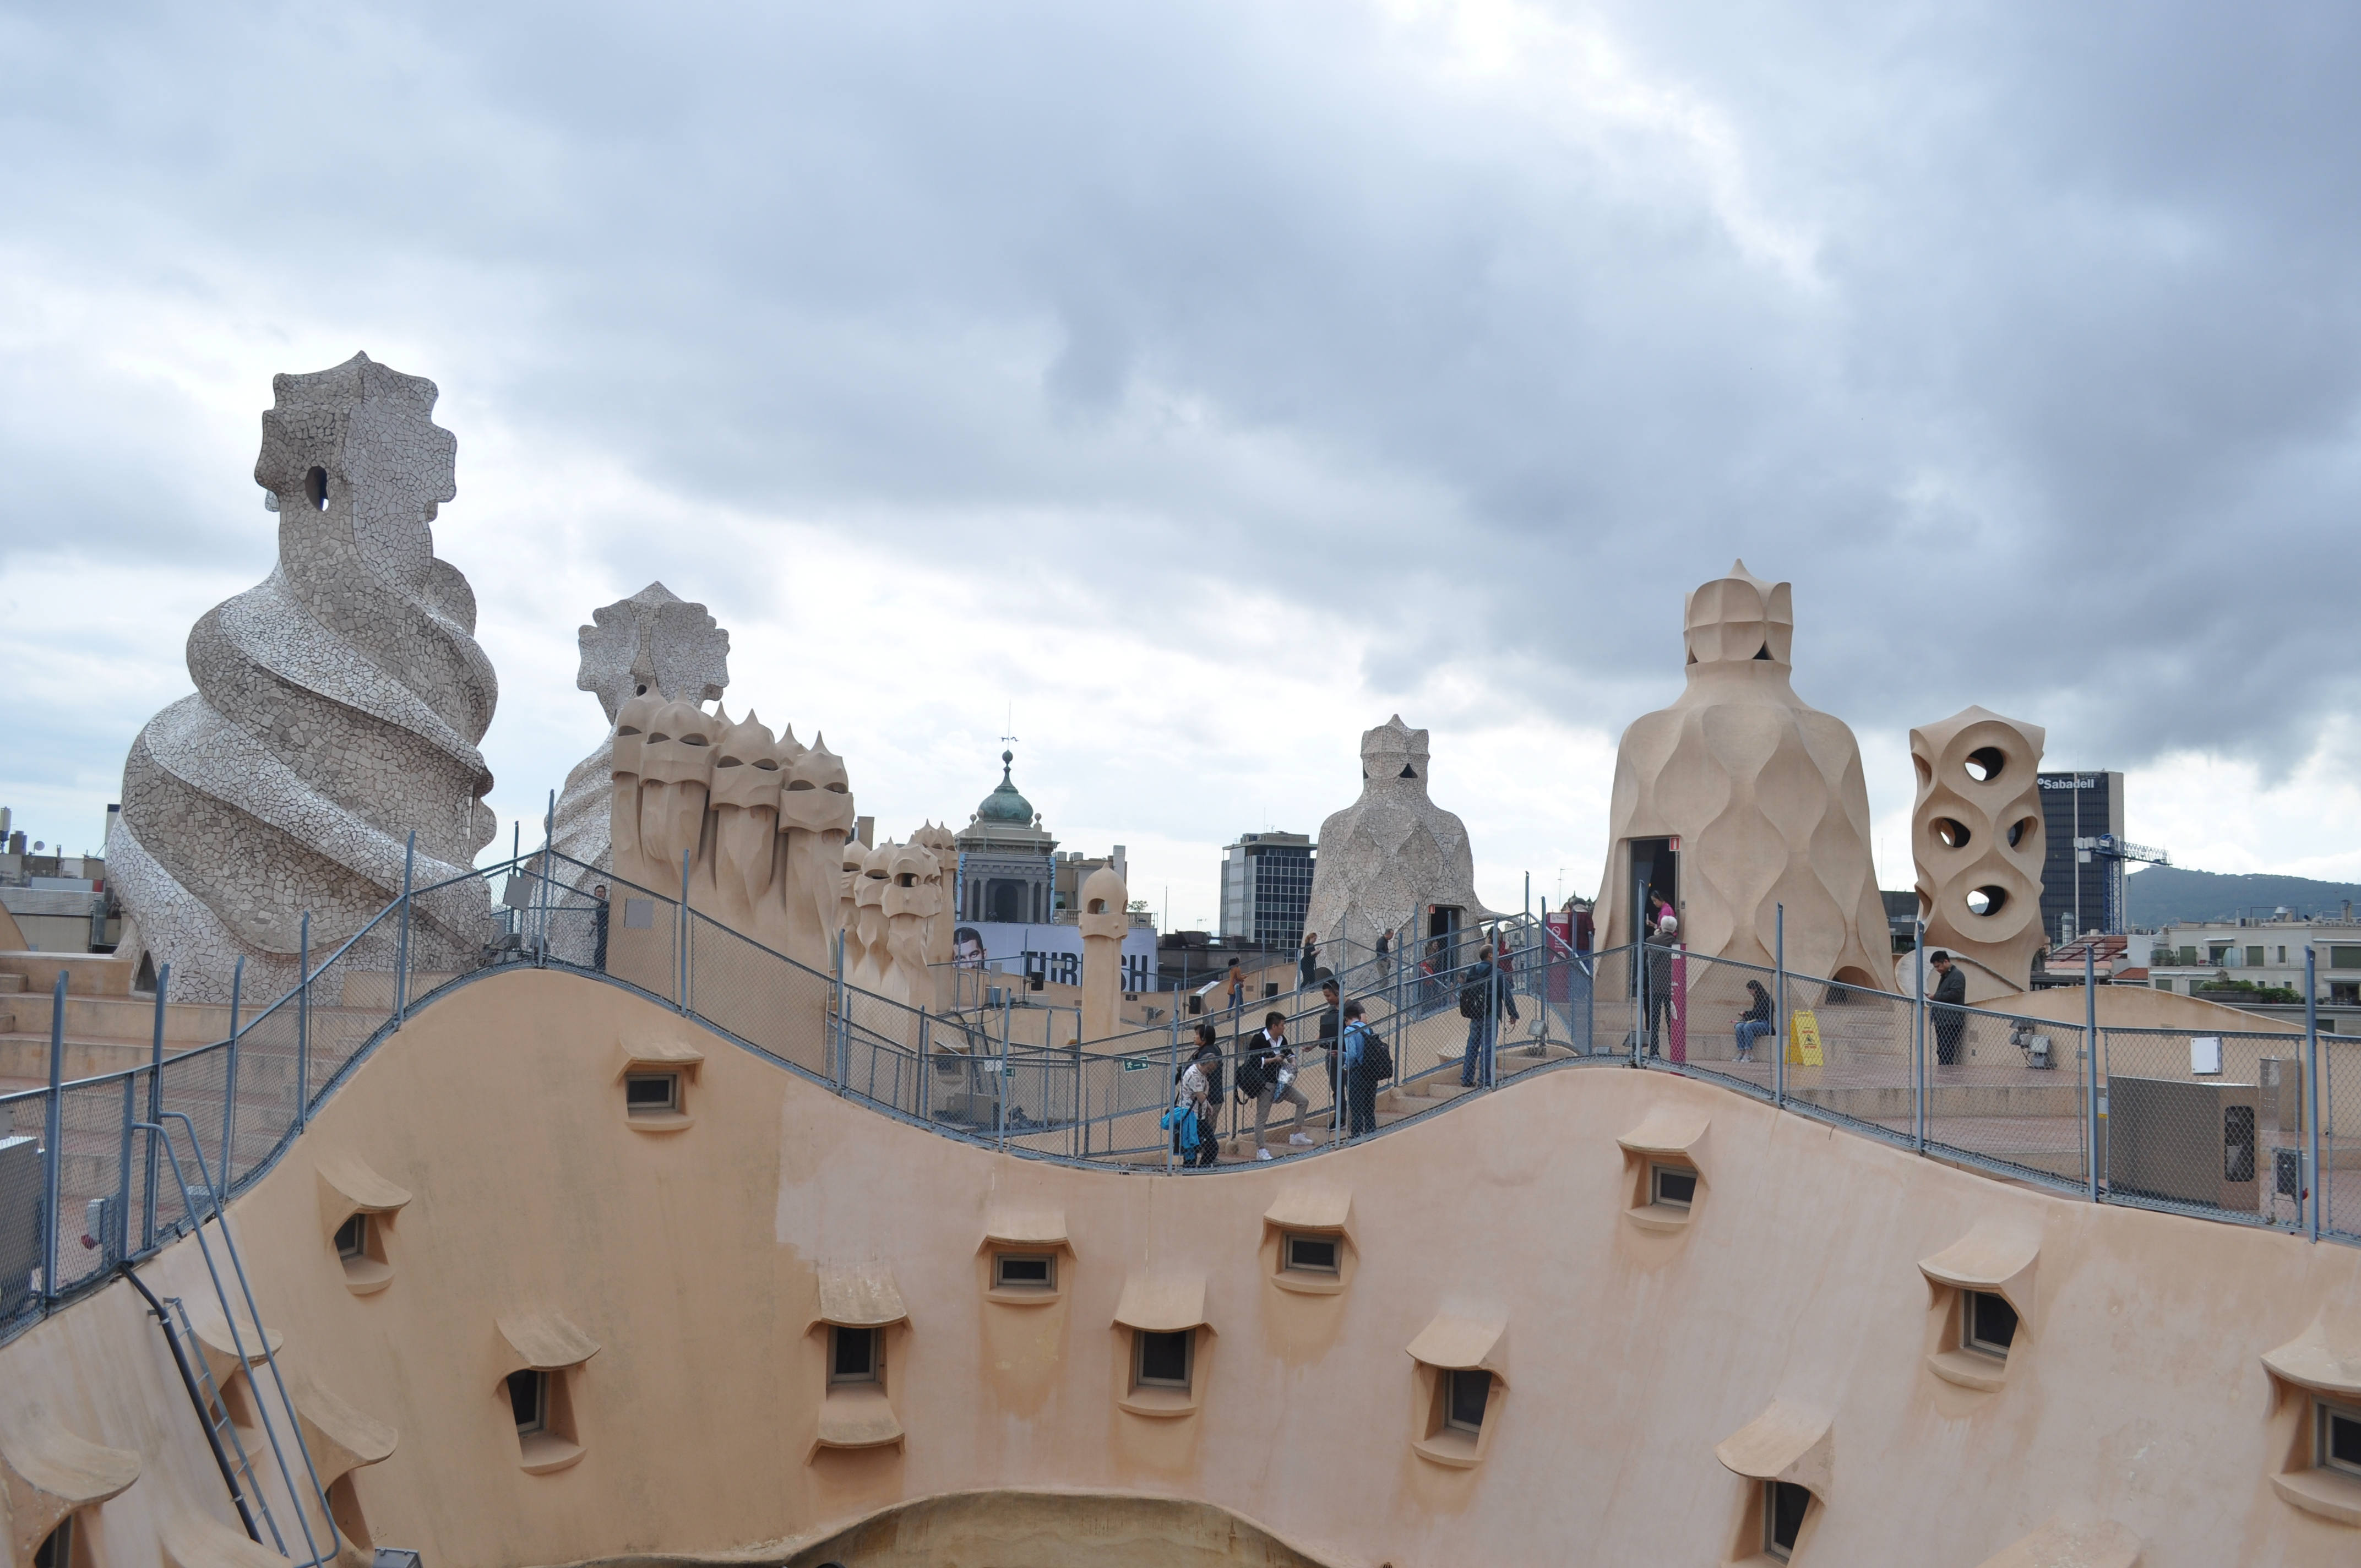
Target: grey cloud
[{"x": 2064, "y": 423}]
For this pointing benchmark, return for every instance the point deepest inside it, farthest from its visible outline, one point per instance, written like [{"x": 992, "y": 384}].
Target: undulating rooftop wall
[{"x": 676, "y": 1274}]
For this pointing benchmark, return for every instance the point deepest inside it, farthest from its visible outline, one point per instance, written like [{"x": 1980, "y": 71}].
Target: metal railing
[{"x": 2218, "y": 1125}]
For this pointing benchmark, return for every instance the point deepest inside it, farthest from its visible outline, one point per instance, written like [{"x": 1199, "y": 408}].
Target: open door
[
  {"x": 1655, "y": 874},
  {"x": 1443, "y": 936}
]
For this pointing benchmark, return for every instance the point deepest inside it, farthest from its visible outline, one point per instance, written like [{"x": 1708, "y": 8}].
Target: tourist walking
[
  {"x": 1363, "y": 1072},
  {"x": 1507, "y": 982},
  {"x": 1330, "y": 1021},
  {"x": 1658, "y": 977},
  {"x": 1307, "y": 967},
  {"x": 1755, "y": 1022},
  {"x": 1237, "y": 988},
  {"x": 599, "y": 928},
  {"x": 1479, "y": 1004},
  {"x": 1196, "y": 1095},
  {"x": 1950, "y": 996},
  {"x": 1268, "y": 1074},
  {"x": 1385, "y": 958}
]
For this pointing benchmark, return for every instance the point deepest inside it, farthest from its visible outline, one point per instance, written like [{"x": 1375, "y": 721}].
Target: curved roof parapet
[
  {"x": 1015, "y": 1226},
  {"x": 348, "y": 1186},
  {"x": 220, "y": 1347},
  {"x": 191, "y": 1540},
  {"x": 1311, "y": 1207},
  {"x": 1669, "y": 1129},
  {"x": 2309, "y": 1361},
  {"x": 1163, "y": 1303},
  {"x": 547, "y": 1340},
  {"x": 1794, "y": 1443},
  {"x": 1460, "y": 1344},
  {"x": 1996, "y": 1254},
  {"x": 859, "y": 1296},
  {"x": 338, "y": 1438},
  {"x": 50, "y": 1472},
  {"x": 856, "y": 1415},
  {"x": 659, "y": 1052},
  {"x": 2106, "y": 1544}
]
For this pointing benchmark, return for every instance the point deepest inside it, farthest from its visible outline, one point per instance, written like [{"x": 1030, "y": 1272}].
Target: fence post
[
  {"x": 2312, "y": 1093},
  {"x": 682, "y": 944},
  {"x": 837, "y": 1033},
  {"x": 1779, "y": 982},
  {"x": 52, "y": 1134},
  {"x": 1000, "y": 1098},
  {"x": 1639, "y": 967},
  {"x": 303, "y": 1024},
  {"x": 1174, "y": 1063},
  {"x": 2091, "y": 1047},
  {"x": 116, "y": 1244},
  {"x": 154, "y": 1111},
  {"x": 229, "y": 1078},
  {"x": 401, "y": 945},
  {"x": 548, "y": 867},
  {"x": 1918, "y": 1034},
  {"x": 923, "y": 1095}
]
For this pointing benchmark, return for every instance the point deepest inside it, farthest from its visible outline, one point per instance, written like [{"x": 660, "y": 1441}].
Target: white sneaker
[
  {"x": 1298, "y": 1138},
  {"x": 1262, "y": 1153}
]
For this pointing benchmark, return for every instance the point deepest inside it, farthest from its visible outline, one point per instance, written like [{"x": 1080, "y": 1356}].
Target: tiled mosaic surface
[
  {"x": 1392, "y": 852},
  {"x": 653, "y": 638},
  {"x": 338, "y": 707}
]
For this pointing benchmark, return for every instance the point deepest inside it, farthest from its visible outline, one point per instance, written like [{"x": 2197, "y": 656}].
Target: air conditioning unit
[
  {"x": 2187, "y": 1142},
  {"x": 20, "y": 1222}
]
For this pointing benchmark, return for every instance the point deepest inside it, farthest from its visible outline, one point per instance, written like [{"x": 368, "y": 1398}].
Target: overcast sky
[{"x": 1203, "y": 383}]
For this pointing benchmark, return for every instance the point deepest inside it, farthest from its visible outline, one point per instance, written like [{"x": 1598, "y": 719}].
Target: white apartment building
[{"x": 2267, "y": 954}]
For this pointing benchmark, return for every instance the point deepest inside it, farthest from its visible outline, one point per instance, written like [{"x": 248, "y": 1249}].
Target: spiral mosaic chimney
[{"x": 338, "y": 707}]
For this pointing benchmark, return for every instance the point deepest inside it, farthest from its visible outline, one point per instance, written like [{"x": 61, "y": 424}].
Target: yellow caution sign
[{"x": 1804, "y": 1040}]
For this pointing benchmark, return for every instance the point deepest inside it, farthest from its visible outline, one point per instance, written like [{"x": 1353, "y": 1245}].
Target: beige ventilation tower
[
  {"x": 1976, "y": 835},
  {"x": 1740, "y": 797}
]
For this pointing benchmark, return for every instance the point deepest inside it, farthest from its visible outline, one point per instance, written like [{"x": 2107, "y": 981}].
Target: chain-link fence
[
  {"x": 2208, "y": 1124},
  {"x": 2216, "y": 1124},
  {"x": 2340, "y": 1135}
]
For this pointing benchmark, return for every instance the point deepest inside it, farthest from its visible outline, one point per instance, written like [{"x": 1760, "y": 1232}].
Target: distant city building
[
  {"x": 1007, "y": 861},
  {"x": 2081, "y": 889},
  {"x": 2257, "y": 964},
  {"x": 1266, "y": 887}
]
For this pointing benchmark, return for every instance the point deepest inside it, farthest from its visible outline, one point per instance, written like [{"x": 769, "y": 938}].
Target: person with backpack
[
  {"x": 1234, "y": 987},
  {"x": 1368, "y": 1064},
  {"x": 1267, "y": 1076},
  {"x": 1196, "y": 1094},
  {"x": 1479, "y": 1004},
  {"x": 1330, "y": 1022}
]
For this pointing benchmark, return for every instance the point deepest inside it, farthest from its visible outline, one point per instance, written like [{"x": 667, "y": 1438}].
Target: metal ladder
[{"x": 202, "y": 1203}]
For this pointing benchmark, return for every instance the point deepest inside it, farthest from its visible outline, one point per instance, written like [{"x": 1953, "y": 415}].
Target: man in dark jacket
[
  {"x": 1481, "y": 984},
  {"x": 1329, "y": 1024},
  {"x": 1950, "y": 996}
]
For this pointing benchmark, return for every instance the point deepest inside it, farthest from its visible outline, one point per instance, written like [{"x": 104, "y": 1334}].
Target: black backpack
[
  {"x": 1376, "y": 1060},
  {"x": 1476, "y": 998},
  {"x": 1253, "y": 1077}
]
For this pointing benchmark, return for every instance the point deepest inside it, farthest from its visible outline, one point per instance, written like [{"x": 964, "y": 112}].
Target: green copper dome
[{"x": 1004, "y": 805}]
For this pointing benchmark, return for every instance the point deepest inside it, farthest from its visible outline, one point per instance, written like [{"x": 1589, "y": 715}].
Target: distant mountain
[{"x": 2158, "y": 894}]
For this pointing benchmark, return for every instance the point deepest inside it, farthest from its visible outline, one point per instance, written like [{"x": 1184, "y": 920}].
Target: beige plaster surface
[
  {"x": 1982, "y": 835},
  {"x": 693, "y": 1262},
  {"x": 1764, "y": 791},
  {"x": 1053, "y": 1529}
]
